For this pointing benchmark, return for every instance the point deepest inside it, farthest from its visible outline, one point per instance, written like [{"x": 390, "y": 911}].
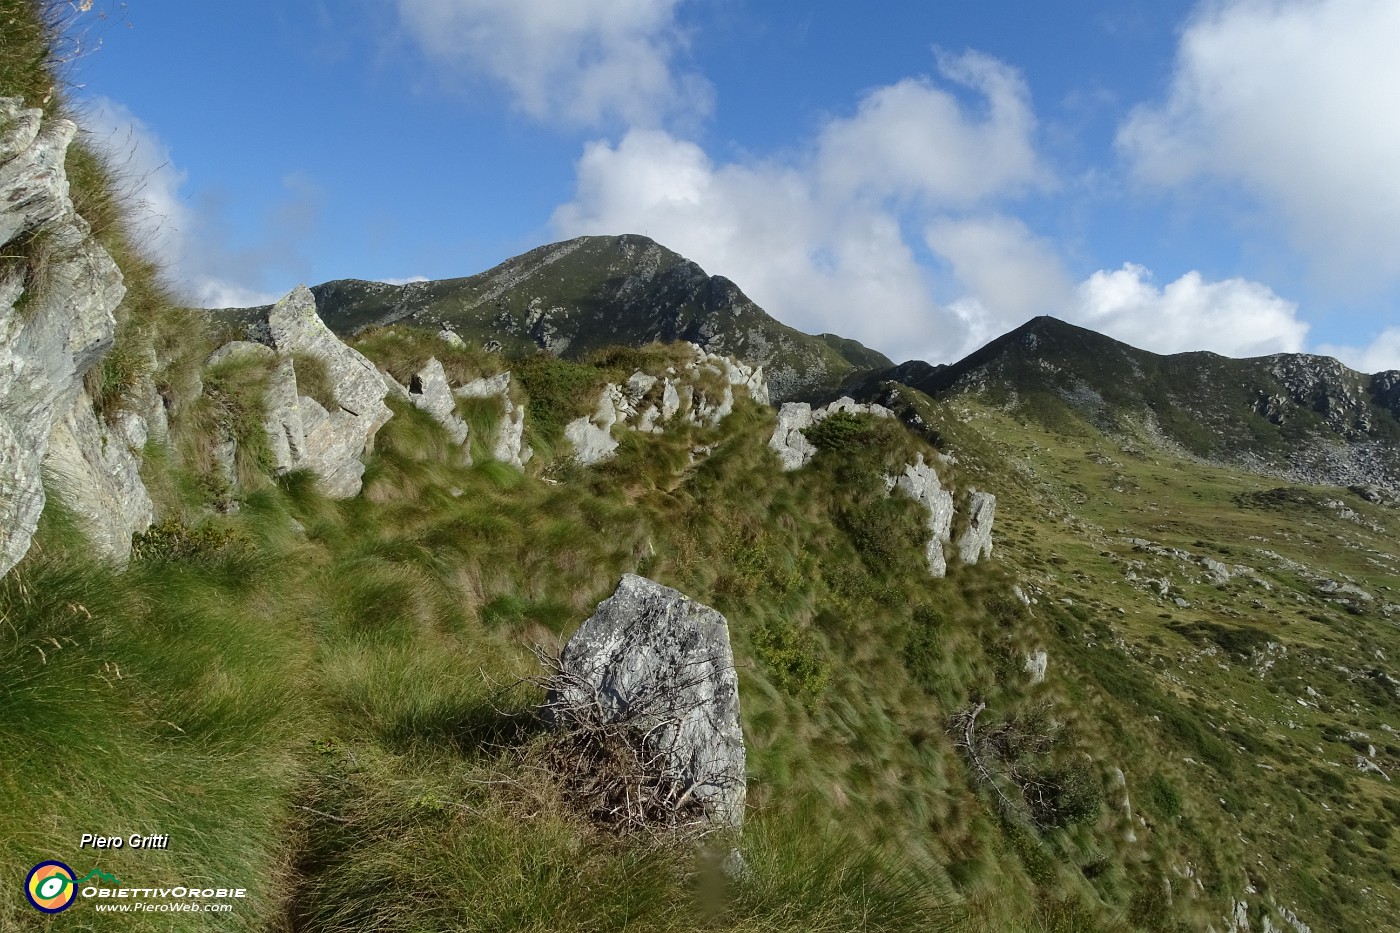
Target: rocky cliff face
[{"x": 58, "y": 291}]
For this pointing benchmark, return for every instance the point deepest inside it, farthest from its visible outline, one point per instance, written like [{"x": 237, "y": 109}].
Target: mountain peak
[{"x": 579, "y": 295}]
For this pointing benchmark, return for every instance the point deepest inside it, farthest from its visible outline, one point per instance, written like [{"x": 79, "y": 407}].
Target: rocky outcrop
[
  {"x": 591, "y": 436},
  {"x": 303, "y": 432},
  {"x": 58, "y": 291},
  {"x": 976, "y": 541},
  {"x": 510, "y": 446},
  {"x": 1037, "y": 662},
  {"x": 1385, "y": 390},
  {"x": 790, "y": 443},
  {"x": 98, "y": 474},
  {"x": 701, "y": 392},
  {"x": 920, "y": 482},
  {"x": 661, "y": 663},
  {"x": 429, "y": 390},
  {"x": 1325, "y": 386}
]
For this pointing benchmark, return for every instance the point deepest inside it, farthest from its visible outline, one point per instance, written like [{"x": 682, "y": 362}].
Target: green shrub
[
  {"x": 171, "y": 539},
  {"x": 559, "y": 391},
  {"x": 842, "y": 432},
  {"x": 793, "y": 658},
  {"x": 1162, "y": 797},
  {"x": 1065, "y": 796}
]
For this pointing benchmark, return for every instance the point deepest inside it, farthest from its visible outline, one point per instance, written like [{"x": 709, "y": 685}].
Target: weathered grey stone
[
  {"x": 920, "y": 482},
  {"x": 663, "y": 661},
  {"x": 707, "y": 411},
  {"x": 334, "y": 440},
  {"x": 510, "y": 446},
  {"x": 649, "y": 420},
  {"x": 451, "y": 338},
  {"x": 65, "y": 323},
  {"x": 1036, "y": 664},
  {"x": 1218, "y": 572},
  {"x": 591, "y": 436},
  {"x": 100, "y": 480},
  {"x": 788, "y": 442},
  {"x": 976, "y": 541},
  {"x": 1333, "y": 588},
  {"x": 847, "y": 404},
  {"x": 430, "y": 392},
  {"x": 240, "y": 348},
  {"x": 142, "y": 416},
  {"x": 670, "y": 401},
  {"x": 285, "y": 430},
  {"x": 639, "y": 384}
]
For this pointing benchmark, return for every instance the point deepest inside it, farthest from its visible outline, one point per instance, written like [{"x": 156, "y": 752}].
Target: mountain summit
[
  {"x": 582, "y": 294},
  {"x": 1306, "y": 417}
]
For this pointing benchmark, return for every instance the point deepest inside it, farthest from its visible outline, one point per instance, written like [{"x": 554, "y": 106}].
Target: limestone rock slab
[
  {"x": 976, "y": 541},
  {"x": 52, "y": 330},
  {"x": 653, "y": 655}
]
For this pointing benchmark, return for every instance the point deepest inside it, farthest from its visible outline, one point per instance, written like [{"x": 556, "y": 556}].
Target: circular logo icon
[{"x": 50, "y": 887}]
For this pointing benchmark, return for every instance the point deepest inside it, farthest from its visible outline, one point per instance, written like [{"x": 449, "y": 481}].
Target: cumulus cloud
[
  {"x": 818, "y": 266},
  {"x": 406, "y": 281},
  {"x": 1381, "y": 354},
  {"x": 1235, "y": 317},
  {"x": 915, "y": 139},
  {"x": 1295, "y": 100},
  {"x": 582, "y": 62},
  {"x": 1010, "y": 274},
  {"x": 195, "y": 248},
  {"x": 146, "y": 177},
  {"x": 818, "y": 238}
]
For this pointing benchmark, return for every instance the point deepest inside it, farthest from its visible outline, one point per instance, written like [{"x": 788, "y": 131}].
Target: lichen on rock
[
  {"x": 58, "y": 293},
  {"x": 659, "y": 665}
]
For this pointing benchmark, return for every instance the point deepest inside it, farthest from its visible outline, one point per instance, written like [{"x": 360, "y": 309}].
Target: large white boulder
[{"x": 660, "y": 664}]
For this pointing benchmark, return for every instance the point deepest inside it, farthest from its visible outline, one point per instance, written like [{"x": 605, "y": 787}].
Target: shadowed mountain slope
[{"x": 1305, "y": 417}]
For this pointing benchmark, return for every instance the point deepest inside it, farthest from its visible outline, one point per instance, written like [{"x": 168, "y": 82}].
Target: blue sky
[{"x": 920, "y": 176}]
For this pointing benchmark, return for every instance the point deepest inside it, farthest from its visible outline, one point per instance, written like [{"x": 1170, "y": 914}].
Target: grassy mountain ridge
[
  {"x": 584, "y": 294},
  {"x": 1305, "y": 417},
  {"x": 331, "y": 701}
]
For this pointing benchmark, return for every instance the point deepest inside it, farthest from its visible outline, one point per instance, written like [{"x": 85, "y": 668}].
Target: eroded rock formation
[
  {"x": 660, "y": 662},
  {"x": 58, "y": 291},
  {"x": 305, "y": 433},
  {"x": 701, "y": 392}
]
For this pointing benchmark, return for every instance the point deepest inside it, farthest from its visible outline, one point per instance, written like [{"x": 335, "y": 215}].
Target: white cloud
[
  {"x": 195, "y": 249},
  {"x": 146, "y": 178},
  {"x": 1296, "y": 102},
  {"x": 1234, "y": 317},
  {"x": 406, "y": 281},
  {"x": 914, "y": 139},
  {"x": 1011, "y": 275},
  {"x": 1383, "y": 353},
  {"x": 581, "y": 62},
  {"x": 210, "y": 292},
  {"x": 818, "y": 239},
  {"x": 818, "y": 266}
]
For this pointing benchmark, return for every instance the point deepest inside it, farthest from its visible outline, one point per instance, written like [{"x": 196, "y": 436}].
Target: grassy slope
[
  {"x": 1205, "y": 697},
  {"x": 321, "y": 699}
]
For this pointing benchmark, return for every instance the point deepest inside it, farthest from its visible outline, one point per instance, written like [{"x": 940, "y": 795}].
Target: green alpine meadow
[{"x": 1066, "y": 636}]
